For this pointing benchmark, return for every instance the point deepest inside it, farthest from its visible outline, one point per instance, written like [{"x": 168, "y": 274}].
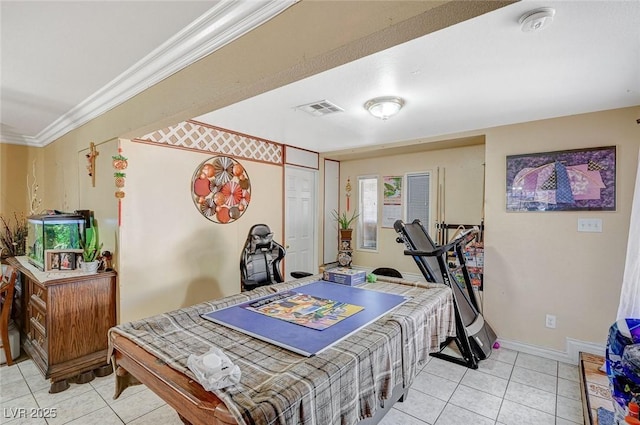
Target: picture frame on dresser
[
  {"x": 62, "y": 259},
  {"x": 53, "y": 261}
]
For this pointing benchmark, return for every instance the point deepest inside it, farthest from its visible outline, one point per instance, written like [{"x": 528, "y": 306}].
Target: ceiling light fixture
[
  {"x": 537, "y": 19},
  {"x": 384, "y": 107}
]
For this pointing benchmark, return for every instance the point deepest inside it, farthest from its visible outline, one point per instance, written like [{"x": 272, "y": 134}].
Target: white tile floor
[{"x": 508, "y": 388}]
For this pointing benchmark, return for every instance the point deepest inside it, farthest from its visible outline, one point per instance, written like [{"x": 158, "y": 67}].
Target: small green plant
[
  {"x": 90, "y": 247},
  {"x": 344, "y": 222}
]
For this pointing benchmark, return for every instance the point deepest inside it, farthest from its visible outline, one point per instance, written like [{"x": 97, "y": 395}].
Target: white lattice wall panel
[{"x": 192, "y": 135}]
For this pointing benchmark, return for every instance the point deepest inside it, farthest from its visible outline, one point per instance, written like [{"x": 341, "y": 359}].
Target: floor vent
[{"x": 320, "y": 108}]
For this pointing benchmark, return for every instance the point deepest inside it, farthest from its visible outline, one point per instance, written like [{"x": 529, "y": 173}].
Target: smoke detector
[{"x": 536, "y": 20}]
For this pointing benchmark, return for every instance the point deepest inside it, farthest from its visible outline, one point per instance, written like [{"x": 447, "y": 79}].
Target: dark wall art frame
[{"x": 570, "y": 180}]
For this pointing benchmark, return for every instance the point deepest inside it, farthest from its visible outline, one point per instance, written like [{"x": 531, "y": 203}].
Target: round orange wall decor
[{"x": 221, "y": 189}]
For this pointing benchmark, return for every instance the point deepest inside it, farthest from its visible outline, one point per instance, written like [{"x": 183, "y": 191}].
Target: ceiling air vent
[{"x": 320, "y": 108}]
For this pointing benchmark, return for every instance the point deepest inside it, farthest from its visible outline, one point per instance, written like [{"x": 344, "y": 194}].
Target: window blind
[{"x": 418, "y": 186}]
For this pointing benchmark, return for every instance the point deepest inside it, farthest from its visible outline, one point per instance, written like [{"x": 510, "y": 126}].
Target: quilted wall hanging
[
  {"x": 221, "y": 189},
  {"x": 572, "y": 180}
]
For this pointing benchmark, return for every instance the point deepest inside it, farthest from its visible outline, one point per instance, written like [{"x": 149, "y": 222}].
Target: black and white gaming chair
[{"x": 260, "y": 260}]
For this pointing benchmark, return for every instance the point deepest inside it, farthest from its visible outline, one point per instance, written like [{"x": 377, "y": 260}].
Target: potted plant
[
  {"x": 344, "y": 244},
  {"x": 344, "y": 223},
  {"x": 90, "y": 250}
]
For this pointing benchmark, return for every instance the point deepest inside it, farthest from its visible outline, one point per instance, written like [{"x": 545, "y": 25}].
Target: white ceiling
[
  {"x": 478, "y": 74},
  {"x": 66, "y": 62},
  {"x": 481, "y": 73},
  {"x": 56, "y": 54}
]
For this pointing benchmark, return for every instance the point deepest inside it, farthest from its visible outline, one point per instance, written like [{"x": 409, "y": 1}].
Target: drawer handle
[{"x": 38, "y": 302}]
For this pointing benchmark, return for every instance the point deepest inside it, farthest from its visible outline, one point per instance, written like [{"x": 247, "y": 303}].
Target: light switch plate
[{"x": 590, "y": 225}]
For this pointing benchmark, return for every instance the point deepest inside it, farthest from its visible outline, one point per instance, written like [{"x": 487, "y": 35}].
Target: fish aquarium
[{"x": 53, "y": 232}]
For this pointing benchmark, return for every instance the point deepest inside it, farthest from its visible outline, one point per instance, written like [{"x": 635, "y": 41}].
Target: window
[
  {"x": 368, "y": 207},
  {"x": 418, "y": 193}
]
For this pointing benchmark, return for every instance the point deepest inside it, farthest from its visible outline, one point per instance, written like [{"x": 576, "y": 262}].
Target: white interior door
[{"x": 300, "y": 220}]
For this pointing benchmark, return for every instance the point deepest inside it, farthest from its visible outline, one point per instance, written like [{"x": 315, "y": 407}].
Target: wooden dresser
[{"x": 65, "y": 317}]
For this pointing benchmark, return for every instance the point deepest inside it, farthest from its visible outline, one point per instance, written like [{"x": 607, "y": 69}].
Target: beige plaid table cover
[{"x": 340, "y": 386}]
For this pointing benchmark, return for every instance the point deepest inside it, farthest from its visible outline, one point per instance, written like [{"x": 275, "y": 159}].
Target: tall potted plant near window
[
  {"x": 344, "y": 223},
  {"x": 344, "y": 244}
]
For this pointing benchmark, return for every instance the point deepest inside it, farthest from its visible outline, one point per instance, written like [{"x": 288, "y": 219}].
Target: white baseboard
[{"x": 571, "y": 355}]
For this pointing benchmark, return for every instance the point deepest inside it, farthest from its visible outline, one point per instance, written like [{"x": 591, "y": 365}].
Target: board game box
[{"x": 345, "y": 276}]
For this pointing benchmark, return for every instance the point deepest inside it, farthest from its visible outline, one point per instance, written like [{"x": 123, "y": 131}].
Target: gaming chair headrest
[{"x": 260, "y": 237}]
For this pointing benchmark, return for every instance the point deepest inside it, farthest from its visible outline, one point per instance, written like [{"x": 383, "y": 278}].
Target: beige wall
[
  {"x": 461, "y": 173},
  {"x": 537, "y": 263},
  {"x": 100, "y": 198},
  {"x": 61, "y": 175},
  {"x": 170, "y": 255},
  {"x": 17, "y": 177}
]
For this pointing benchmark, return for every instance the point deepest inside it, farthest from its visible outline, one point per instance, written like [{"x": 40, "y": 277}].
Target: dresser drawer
[
  {"x": 38, "y": 338},
  {"x": 38, "y": 316},
  {"x": 38, "y": 303},
  {"x": 39, "y": 293}
]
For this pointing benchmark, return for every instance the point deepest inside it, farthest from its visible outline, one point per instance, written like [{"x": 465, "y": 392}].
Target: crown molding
[
  {"x": 220, "y": 25},
  {"x": 12, "y": 138}
]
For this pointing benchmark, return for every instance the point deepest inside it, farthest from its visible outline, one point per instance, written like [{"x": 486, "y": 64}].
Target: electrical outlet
[
  {"x": 593, "y": 225},
  {"x": 550, "y": 321}
]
